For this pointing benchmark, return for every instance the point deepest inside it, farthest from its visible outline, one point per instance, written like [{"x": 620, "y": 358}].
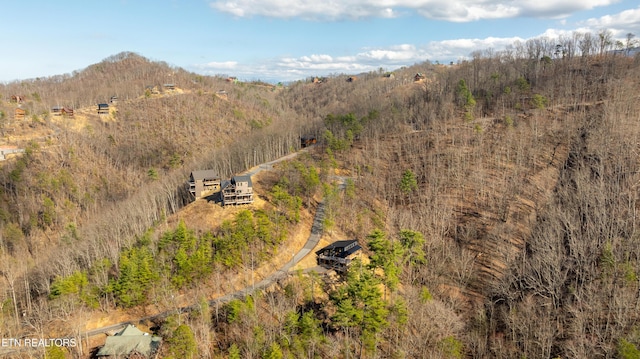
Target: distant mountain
[
  {"x": 631, "y": 52},
  {"x": 125, "y": 75}
]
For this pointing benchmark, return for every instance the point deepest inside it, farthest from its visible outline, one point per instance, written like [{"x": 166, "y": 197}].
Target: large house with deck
[
  {"x": 203, "y": 182},
  {"x": 239, "y": 190},
  {"x": 338, "y": 255}
]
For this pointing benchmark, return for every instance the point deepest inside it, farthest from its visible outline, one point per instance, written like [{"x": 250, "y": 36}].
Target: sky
[{"x": 285, "y": 40}]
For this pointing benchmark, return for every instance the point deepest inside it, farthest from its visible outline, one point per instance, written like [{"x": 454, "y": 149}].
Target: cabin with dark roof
[
  {"x": 338, "y": 255},
  {"x": 103, "y": 109},
  {"x": 202, "y": 182},
  {"x": 239, "y": 190}
]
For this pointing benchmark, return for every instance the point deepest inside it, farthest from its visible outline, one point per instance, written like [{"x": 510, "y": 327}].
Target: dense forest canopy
[{"x": 495, "y": 200}]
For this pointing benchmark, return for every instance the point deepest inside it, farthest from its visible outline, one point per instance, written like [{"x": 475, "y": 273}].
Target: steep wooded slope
[
  {"x": 526, "y": 197},
  {"x": 89, "y": 184}
]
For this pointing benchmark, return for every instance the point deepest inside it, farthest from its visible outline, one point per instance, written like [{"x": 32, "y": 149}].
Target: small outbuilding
[{"x": 338, "y": 255}]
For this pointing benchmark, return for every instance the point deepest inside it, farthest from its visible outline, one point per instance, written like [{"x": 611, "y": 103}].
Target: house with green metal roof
[{"x": 130, "y": 342}]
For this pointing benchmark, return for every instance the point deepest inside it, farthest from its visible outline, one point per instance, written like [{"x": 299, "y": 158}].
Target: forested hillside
[{"x": 495, "y": 200}]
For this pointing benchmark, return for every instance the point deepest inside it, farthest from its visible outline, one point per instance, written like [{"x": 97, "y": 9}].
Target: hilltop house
[
  {"x": 66, "y": 111},
  {"x": 201, "y": 182},
  {"x": 61, "y": 111},
  {"x": 103, "y": 109},
  {"x": 17, "y": 99},
  {"x": 19, "y": 114},
  {"x": 239, "y": 190},
  {"x": 338, "y": 255},
  {"x": 130, "y": 342}
]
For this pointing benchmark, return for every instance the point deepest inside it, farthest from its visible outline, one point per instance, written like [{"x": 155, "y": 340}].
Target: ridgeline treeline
[{"x": 495, "y": 200}]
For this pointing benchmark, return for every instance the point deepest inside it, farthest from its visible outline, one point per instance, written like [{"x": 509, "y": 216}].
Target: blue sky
[{"x": 284, "y": 40}]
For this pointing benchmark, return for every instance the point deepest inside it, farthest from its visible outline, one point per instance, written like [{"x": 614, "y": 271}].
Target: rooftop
[
  {"x": 348, "y": 247},
  {"x": 202, "y": 174},
  {"x": 245, "y": 178},
  {"x": 130, "y": 340}
]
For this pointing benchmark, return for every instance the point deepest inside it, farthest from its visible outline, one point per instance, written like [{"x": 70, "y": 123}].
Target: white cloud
[
  {"x": 399, "y": 53},
  {"x": 370, "y": 59},
  {"x": 469, "y": 11},
  {"x": 558, "y": 9},
  {"x": 620, "y": 24},
  {"x": 456, "y": 11},
  {"x": 321, "y": 63},
  {"x": 317, "y": 58},
  {"x": 477, "y": 44},
  {"x": 226, "y": 65},
  {"x": 396, "y": 56}
]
